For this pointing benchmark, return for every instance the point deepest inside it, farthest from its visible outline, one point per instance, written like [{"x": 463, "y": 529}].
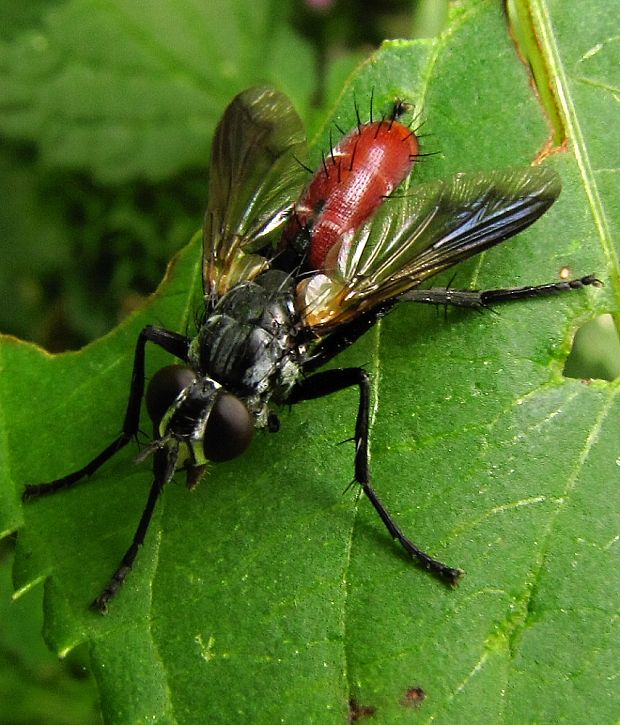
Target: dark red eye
[
  {"x": 230, "y": 429},
  {"x": 163, "y": 389}
]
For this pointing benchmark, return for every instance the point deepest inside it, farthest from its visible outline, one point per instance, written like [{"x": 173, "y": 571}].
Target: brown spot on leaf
[
  {"x": 413, "y": 697},
  {"x": 358, "y": 711},
  {"x": 549, "y": 149}
]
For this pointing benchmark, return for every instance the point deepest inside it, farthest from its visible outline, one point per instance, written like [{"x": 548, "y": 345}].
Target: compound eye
[
  {"x": 230, "y": 429},
  {"x": 163, "y": 389}
]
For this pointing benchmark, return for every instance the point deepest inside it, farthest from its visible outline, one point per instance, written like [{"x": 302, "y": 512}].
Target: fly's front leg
[
  {"x": 173, "y": 343},
  {"x": 163, "y": 468},
  {"x": 330, "y": 381}
]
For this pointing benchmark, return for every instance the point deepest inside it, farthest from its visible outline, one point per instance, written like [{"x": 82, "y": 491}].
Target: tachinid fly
[{"x": 290, "y": 281}]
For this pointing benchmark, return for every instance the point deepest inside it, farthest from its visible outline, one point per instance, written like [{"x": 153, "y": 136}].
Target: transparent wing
[
  {"x": 414, "y": 237},
  {"x": 255, "y": 176}
]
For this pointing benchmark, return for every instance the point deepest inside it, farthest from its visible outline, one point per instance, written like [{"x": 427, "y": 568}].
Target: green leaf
[
  {"x": 129, "y": 90},
  {"x": 265, "y": 595},
  {"x": 35, "y": 686}
]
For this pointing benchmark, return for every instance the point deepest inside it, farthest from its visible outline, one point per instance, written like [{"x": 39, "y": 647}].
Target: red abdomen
[{"x": 364, "y": 168}]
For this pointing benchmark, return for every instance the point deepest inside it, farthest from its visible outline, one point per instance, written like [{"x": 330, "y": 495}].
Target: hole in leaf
[{"x": 595, "y": 352}]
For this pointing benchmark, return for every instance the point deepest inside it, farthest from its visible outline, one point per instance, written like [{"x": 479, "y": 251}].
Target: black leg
[
  {"x": 343, "y": 336},
  {"x": 330, "y": 381},
  {"x": 173, "y": 343},
  {"x": 479, "y": 299},
  {"x": 163, "y": 467},
  {"x": 273, "y": 422}
]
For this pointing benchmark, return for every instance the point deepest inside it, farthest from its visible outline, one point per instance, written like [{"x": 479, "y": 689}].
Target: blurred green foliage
[{"x": 99, "y": 190}]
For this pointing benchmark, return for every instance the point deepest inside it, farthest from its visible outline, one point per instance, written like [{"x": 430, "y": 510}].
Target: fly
[{"x": 293, "y": 277}]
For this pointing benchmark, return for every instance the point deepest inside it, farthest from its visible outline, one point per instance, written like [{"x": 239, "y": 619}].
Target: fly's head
[{"x": 196, "y": 418}]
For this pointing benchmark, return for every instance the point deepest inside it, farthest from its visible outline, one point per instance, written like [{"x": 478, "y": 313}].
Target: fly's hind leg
[
  {"x": 481, "y": 299},
  {"x": 331, "y": 381}
]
